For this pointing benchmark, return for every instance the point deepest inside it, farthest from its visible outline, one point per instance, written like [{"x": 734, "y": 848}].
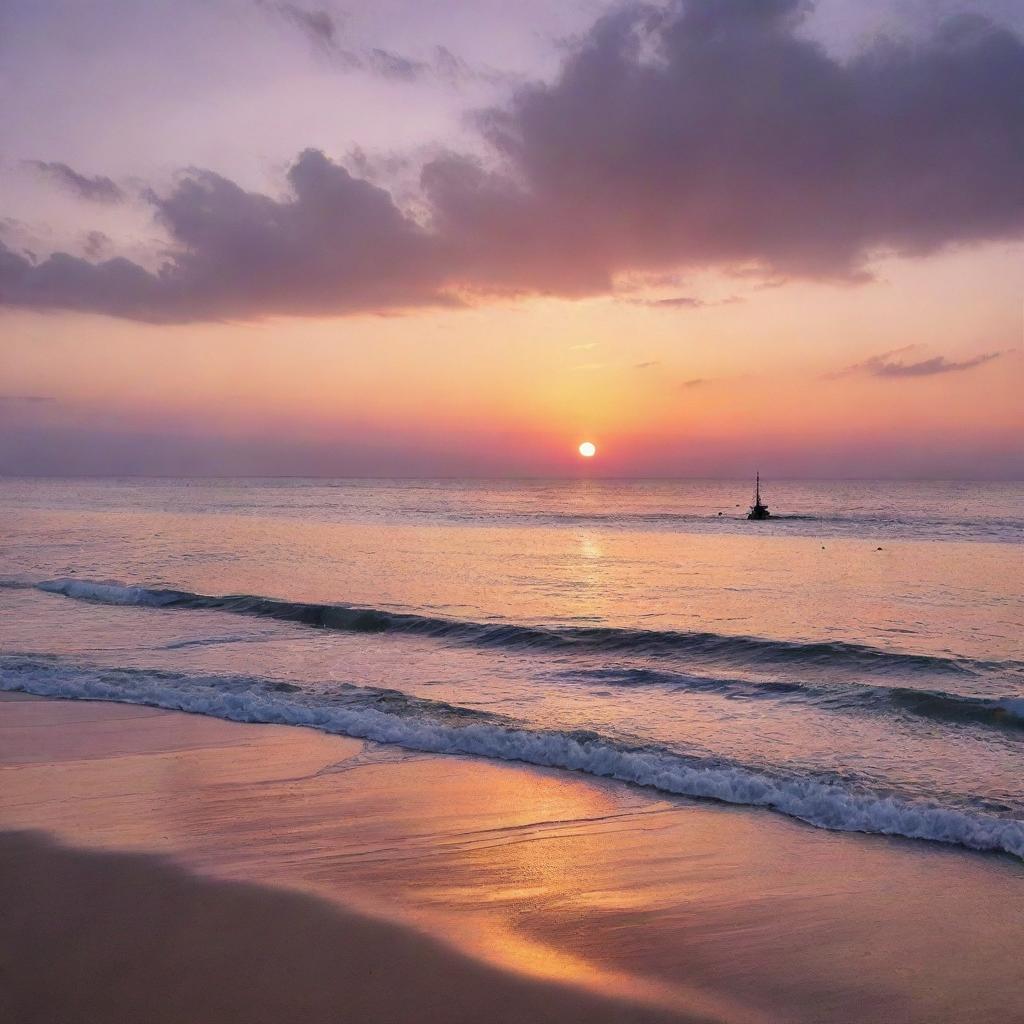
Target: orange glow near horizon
[{"x": 693, "y": 392}]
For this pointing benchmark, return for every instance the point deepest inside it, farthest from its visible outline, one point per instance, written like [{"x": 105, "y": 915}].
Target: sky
[{"x": 439, "y": 238}]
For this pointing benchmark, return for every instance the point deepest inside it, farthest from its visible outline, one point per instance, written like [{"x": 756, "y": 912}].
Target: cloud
[
  {"x": 323, "y": 30},
  {"x": 95, "y": 244},
  {"x": 451, "y": 68},
  {"x": 335, "y": 244},
  {"x": 885, "y": 365},
  {"x": 713, "y": 133},
  {"x": 98, "y": 189},
  {"x": 442, "y": 66},
  {"x": 684, "y": 302},
  {"x": 673, "y": 302},
  {"x": 701, "y": 134},
  {"x": 647, "y": 365},
  {"x": 394, "y": 65},
  {"x": 319, "y": 26},
  {"x": 696, "y": 382},
  {"x": 26, "y": 399}
]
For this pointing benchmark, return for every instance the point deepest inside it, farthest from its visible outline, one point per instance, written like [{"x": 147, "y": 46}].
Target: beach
[
  {"x": 511, "y": 513},
  {"x": 168, "y": 867}
]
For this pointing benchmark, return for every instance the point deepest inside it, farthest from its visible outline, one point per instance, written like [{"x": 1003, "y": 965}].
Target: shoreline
[
  {"x": 612, "y": 894},
  {"x": 830, "y": 806}
]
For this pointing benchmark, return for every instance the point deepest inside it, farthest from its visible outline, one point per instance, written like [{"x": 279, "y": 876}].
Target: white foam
[
  {"x": 825, "y": 805},
  {"x": 106, "y": 593}
]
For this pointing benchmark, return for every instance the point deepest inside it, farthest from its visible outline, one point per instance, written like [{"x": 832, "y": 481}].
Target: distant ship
[{"x": 757, "y": 510}]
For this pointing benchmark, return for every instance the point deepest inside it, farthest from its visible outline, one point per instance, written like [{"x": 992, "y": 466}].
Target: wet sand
[
  {"x": 167, "y": 867},
  {"x": 92, "y": 936}
]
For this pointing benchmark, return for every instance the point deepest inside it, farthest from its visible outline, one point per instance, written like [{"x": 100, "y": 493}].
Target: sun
[{"x": 588, "y": 449}]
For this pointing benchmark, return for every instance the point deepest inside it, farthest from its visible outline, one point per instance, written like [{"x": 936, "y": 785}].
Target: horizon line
[{"x": 509, "y": 478}]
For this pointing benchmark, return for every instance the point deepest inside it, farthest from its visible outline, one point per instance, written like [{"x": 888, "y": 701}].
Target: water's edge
[{"x": 388, "y": 716}]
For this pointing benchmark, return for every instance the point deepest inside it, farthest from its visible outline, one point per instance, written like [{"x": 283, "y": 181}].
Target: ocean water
[{"x": 856, "y": 663}]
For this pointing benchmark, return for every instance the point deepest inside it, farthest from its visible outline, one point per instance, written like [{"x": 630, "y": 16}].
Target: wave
[
  {"x": 708, "y": 647},
  {"x": 938, "y": 704},
  {"x": 387, "y": 716}
]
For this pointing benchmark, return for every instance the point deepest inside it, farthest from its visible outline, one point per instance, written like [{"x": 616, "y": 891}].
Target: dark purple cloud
[
  {"x": 886, "y": 365},
  {"x": 95, "y": 244},
  {"x": 713, "y": 133},
  {"x": 702, "y": 134},
  {"x": 117, "y": 287},
  {"x": 335, "y": 244},
  {"x": 98, "y": 189}
]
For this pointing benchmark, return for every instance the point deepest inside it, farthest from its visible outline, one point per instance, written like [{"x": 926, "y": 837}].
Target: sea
[{"x": 856, "y": 662}]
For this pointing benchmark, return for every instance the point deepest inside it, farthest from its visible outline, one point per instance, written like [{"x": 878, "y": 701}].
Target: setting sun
[{"x": 588, "y": 449}]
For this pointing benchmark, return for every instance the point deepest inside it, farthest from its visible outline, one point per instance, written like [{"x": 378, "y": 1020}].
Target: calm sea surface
[{"x": 857, "y": 663}]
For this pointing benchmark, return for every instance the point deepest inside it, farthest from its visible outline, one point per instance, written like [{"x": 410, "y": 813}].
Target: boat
[{"x": 757, "y": 510}]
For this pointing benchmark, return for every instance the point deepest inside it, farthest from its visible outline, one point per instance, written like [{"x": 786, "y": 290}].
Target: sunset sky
[{"x": 414, "y": 237}]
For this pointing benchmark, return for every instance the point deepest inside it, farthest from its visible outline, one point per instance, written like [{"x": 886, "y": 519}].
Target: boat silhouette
[{"x": 758, "y": 510}]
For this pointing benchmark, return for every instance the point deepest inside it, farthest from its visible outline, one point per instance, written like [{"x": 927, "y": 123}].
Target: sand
[{"x": 156, "y": 866}]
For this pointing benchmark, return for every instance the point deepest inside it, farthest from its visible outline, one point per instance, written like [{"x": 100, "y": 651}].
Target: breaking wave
[
  {"x": 954, "y": 707},
  {"x": 387, "y": 716},
  {"x": 707, "y": 647}
]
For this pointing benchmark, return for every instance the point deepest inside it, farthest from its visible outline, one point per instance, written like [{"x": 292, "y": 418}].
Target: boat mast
[{"x": 757, "y": 489}]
